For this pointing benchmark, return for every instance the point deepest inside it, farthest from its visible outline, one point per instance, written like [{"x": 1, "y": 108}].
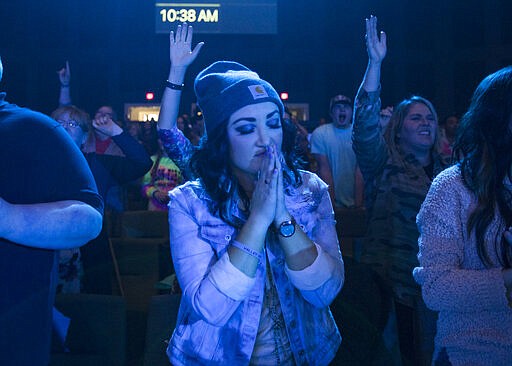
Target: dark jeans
[{"x": 416, "y": 332}]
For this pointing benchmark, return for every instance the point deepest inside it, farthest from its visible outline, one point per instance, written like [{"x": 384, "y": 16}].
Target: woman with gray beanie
[{"x": 253, "y": 239}]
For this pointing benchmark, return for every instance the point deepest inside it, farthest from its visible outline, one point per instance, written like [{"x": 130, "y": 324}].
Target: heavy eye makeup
[
  {"x": 245, "y": 126},
  {"x": 274, "y": 122}
]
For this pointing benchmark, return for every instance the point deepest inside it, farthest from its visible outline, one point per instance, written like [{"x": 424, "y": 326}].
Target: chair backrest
[
  {"x": 144, "y": 224},
  {"x": 139, "y": 256},
  {"x": 97, "y": 332},
  {"x": 142, "y": 262},
  {"x": 163, "y": 313}
]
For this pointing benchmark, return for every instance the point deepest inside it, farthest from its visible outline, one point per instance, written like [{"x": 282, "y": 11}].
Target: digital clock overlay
[{"x": 223, "y": 17}]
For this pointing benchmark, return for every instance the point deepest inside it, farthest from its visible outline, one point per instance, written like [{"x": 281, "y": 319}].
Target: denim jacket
[{"x": 218, "y": 320}]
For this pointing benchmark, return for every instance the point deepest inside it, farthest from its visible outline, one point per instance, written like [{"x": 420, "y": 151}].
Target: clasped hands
[{"x": 267, "y": 200}]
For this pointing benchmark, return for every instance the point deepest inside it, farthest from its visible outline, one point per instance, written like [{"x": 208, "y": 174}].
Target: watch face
[{"x": 287, "y": 229}]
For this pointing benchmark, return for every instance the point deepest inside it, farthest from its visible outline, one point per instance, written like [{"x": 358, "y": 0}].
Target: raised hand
[
  {"x": 180, "y": 46},
  {"x": 375, "y": 45},
  {"x": 65, "y": 75},
  {"x": 181, "y": 56},
  {"x": 107, "y": 126},
  {"x": 376, "y": 48}
]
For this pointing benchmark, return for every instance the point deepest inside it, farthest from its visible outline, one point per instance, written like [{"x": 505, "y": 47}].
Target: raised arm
[
  {"x": 176, "y": 145},
  {"x": 368, "y": 142},
  {"x": 181, "y": 56},
  {"x": 376, "y": 48},
  {"x": 136, "y": 161},
  {"x": 65, "y": 80}
]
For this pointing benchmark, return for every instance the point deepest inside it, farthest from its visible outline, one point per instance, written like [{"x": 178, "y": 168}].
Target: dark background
[{"x": 439, "y": 49}]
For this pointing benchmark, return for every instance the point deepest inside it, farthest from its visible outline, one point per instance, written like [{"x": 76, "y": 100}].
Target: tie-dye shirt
[{"x": 163, "y": 176}]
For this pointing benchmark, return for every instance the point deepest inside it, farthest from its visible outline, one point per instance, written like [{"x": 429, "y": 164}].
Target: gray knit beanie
[{"x": 225, "y": 86}]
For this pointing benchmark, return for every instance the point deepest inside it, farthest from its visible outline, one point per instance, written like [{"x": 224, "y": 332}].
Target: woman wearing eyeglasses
[{"x": 108, "y": 171}]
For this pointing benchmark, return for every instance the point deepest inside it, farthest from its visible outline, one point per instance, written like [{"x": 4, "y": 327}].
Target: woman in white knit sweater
[{"x": 466, "y": 239}]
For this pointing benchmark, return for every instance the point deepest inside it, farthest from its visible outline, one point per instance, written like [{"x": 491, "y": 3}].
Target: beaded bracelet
[
  {"x": 173, "y": 86},
  {"x": 247, "y": 250}
]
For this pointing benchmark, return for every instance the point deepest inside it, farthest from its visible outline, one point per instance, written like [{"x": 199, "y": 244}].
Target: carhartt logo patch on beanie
[
  {"x": 258, "y": 91},
  {"x": 225, "y": 86}
]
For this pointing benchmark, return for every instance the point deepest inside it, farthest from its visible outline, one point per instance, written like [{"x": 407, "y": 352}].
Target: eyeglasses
[{"x": 70, "y": 123}]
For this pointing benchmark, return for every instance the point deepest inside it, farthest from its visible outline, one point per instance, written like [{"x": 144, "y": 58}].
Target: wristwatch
[{"x": 287, "y": 228}]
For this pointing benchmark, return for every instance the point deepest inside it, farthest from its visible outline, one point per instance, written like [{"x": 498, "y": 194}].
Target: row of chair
[
  {"x": 101, "y": 325},
  {"x": 362, "y": 310}
]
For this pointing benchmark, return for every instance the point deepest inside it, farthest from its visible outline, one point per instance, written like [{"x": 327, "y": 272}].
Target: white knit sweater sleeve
[{"x": 450, "y": 273}]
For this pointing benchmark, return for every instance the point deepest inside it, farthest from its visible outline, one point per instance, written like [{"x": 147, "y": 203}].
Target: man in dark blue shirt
[{"x": 48, "y": 201}]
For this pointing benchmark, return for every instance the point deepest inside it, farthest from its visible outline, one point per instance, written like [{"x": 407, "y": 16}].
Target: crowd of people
[{"x": 252, "y": 197}]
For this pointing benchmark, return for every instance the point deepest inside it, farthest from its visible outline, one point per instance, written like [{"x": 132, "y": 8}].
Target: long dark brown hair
[
  {"x": 211, "y": 164},
  {"x": 484, "y": 150}
]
